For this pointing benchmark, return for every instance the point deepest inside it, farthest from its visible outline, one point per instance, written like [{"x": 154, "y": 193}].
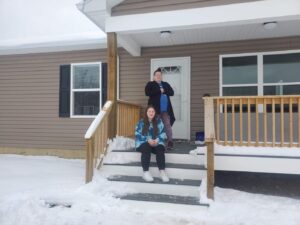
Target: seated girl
[{"x": 149, "y": 138}]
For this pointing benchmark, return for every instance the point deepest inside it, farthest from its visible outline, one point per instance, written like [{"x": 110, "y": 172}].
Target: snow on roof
[
  {"x": 46, "y": 26},
  {"x": 52, "y": 46}
]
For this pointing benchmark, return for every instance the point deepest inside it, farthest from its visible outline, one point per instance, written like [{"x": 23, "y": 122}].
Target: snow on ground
[{"x": 28, "y": 183}]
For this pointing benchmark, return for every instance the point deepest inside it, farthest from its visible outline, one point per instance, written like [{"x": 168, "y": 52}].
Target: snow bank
[
  {"x": 244, "y": 150},
  {"x": 121, "y": 143}
]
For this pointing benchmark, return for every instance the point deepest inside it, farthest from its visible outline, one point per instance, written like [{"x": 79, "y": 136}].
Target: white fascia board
[
  {"x": 112, "y": 3},
  {"x": 129, "y": 44},
  {"x": 225, "y": 15},
  {"x": 54, "y": 47},
  {"x": 92, "y": 5},
  {"x": 95, "y": 10},
  {"x": 97, "y": 18}
]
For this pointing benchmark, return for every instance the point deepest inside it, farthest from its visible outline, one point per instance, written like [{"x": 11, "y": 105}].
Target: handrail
[
  {"x": 100, "y": 131},
  {"x": 251, "y": 97},
  {"x": 97, "y": 121},
  {"x": 96, "y": 139}
]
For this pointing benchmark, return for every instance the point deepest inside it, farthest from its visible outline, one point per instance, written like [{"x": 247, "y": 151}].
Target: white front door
[{"x": 176, "y": 71}]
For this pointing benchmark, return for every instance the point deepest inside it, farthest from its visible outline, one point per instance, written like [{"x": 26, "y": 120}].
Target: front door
[{"x": 176, "y": 71}]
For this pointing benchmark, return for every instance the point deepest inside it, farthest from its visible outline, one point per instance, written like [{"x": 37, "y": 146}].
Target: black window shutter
[
  {"x": 104, "y": 83},
  {"x": 64, "y": 90}
]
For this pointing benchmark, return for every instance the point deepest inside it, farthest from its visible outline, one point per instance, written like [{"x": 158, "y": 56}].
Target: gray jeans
[{"x": 168, "y": 128}]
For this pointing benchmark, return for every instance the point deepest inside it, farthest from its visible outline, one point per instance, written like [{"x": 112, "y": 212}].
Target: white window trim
[
  {"x": 72, "y": 90},
  {"x": 260, "y": 83}
]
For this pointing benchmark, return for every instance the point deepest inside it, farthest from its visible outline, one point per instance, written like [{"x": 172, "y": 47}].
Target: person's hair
[
  {"x": 157, "y": 70},
  {"x": 147, "y": 123}
]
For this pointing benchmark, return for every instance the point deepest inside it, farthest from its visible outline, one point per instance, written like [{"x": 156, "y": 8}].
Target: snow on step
[
  {"x": 156, "y": 180},
  {"x": 174, "y": 187},
  {"x": 136, "y": 170},
  {"x": 133, "y": 156}
]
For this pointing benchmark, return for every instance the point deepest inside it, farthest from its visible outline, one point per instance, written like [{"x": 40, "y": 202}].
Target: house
[{"x": 216, "y": 47}]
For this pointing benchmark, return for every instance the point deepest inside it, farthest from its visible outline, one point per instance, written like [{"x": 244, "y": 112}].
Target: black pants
[{"x": 146, "y": 150}]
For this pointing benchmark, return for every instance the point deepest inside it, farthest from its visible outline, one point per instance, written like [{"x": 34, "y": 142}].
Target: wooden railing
[
  {"x": 128, "y": 115},
  {"x": 250, "y": 121},
  {"x": 100, "y": 131},
  {"x": 96, "y": 139},
  {"x": 258, "y": 121}
]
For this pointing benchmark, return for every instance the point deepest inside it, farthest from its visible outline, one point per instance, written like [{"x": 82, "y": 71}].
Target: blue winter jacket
[{"x": 142, "y": 138}]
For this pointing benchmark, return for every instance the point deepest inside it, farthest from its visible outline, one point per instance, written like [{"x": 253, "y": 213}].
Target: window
[
  {"x": 281, "y": 74},
  {"x": 85, "y": 89},
  {"x": 260, "y": 74}
]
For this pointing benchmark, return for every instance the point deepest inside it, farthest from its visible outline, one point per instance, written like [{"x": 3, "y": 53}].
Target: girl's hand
[{"x": 152, "y": 142}]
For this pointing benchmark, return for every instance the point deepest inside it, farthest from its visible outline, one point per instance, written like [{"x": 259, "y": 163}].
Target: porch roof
[{"x": 241, "y": 21}]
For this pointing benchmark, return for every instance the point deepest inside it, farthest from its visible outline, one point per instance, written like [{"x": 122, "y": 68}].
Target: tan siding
[
  {"x": 145, "y": 6},
  {"x": 135, "y": 71},
  {"x": 29, "y": 99}
]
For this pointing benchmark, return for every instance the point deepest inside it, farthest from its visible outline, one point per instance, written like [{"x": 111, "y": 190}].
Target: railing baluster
[
  {"x": 273, "y": 122},
  {"x": 298, "y": 122},
  {"x": 233, "y": 121},
  {"x": 249, "y": 121},
  {"x": 291, "y": 121},
  {"x": 256, "y": 123},
  {"x": 265, "y": 122},
  {"x": 241, "y": 121},
  {"x": 218, "y": 121},
  {"x": 281, "y": 123},
  {"x": 225, "y": 122}
]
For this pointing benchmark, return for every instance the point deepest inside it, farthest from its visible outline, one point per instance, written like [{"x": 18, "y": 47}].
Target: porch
[
  {"x": 274, "y": 117},
  {"x": 205, "y": 54}
]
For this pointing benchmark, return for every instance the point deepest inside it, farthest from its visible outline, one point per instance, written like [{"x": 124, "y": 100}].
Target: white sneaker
[
  {"x": 164, "y": 176},
  {"x": 147, "y": 176}
]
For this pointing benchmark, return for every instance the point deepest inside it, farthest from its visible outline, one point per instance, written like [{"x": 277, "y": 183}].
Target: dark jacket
[{"x": 152, "y": 90}]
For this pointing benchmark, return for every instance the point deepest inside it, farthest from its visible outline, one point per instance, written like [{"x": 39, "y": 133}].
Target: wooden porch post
[
  {"x": 209, "y": 140},
  {"x": 112, "y": 54},
  {"x": 89, "y": 170}
]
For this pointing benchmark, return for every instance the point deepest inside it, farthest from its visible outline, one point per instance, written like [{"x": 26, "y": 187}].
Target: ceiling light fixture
[
  {"x": 270, "y": 25},
  {"x": 165, "y": 34}
]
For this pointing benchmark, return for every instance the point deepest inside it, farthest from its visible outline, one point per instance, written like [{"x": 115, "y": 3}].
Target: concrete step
[
  {"x": 120, "y": 157},
  {"x": 186, "y": 182},
  {"x": 168, "y": 165},
  {"x": 174, "y": 187},
  {"x": 174, "y": 151},
  {"x": 195, "y": 172}
]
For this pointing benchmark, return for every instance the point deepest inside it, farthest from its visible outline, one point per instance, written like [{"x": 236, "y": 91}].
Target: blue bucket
[{"x": 200, "y": 137}]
